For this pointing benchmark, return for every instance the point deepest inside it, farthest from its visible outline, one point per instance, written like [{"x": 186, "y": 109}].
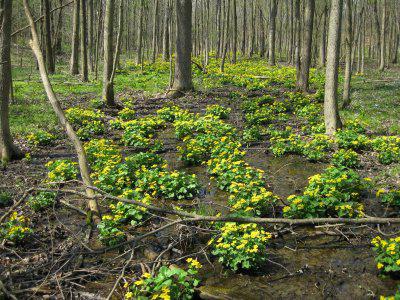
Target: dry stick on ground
[
  {"x": 190, "y": 217},
  {"x": 15, "y": 205},
  {"x": 83, "y": 164}
]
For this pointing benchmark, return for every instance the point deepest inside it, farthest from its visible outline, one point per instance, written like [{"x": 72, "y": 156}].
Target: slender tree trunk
[
  {"x": 108, "y": 85},
  {"x": 235, "y": 38},
  {"x": 322, "y": 52},
  {"x": 8, "y": 150},
  {"x": 244, "y": 27},
  {"x": 226, "y": 39},
  {"x": 74, "y": 66},
  {"x": 348, "y": 46},
  {"x": 84, "y": 52},
  {"x": 83, "y": 164},
  {"x": 48, "y": 44},
  {"x": 377, "y": 26},
  {"x": 91, "y": 34},
  {"x": 297, "y": 39},
  {"x": 98, "y": 39},
  {"x": 140, "y": 34},
  {"x": 183, "y": 66},
  {"x": 331, "y": 111},
  {"x": 306, "y": 46},
  {"x": 166, "y": 36},
  {"x": 155, "y": 27},
  {"x": 272, "y": 32},
  {"x": 382, "y": 62}
]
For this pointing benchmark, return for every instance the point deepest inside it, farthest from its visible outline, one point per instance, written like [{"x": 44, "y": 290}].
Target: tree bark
[
  {"x": 48, "y": 44},
  {"x": 322, "y": 52},
  {"x": 348, "y": 46},
  {"x": 235, "y": 38},
  {"x": 244, "y": 27},
  {"x": 306, "y": 46},
  {"x": 382, "y": 62},
  {"x": 84, "y": 39},
  {"x": 74, "y": 66},
  {"x": 331, "y": 111},
  {"x": 183, "y": 67},
  {"x": 272, "y": 32},
  {"x": 155, "y": 30},
  {"x": 166, "y": 37},
  {"x": 8, "y": 151},
  {"x": 108, "y": 85},
  {"x": 83, "y": 164},
  {"x": 140, "y": 34}
]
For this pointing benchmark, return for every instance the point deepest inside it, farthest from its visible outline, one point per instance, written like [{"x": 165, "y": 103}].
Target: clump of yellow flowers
[
  {"x": 16, "y": 229},
  {"x": 387, "y": 254},
  {"x": 168, "y": 283},
  {"x": 240, "y": 245}
]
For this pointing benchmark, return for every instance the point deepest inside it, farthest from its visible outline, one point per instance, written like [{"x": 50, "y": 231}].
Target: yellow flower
[
  {"x": 379, "y": 265},
  {"x": 129, "y": 295}
]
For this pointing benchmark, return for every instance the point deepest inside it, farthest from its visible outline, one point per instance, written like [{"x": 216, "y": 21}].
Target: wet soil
[{"x": 319, "y": 263}]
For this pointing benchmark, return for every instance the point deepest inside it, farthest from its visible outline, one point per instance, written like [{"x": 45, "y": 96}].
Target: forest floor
[{"x": 59, "y": 259}]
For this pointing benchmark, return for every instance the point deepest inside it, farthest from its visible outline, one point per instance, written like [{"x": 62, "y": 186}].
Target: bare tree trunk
[
  {"x": 244, "y": 27},
  {"x": 83, "y": 164},
  {"x": 226, "y": 39},
  {"x": 331, "y": 111},
  {"x": 322, "y": 52},
  {"x": 297, "y": 39},
  {"x": 166, "y": 36},
  {"x": 348, "y": 45},
  {"x": 108, "y": 85},
  {"x": 8, "y": 150},
  {"x": 377, "y": 26},
  {"x": 91, "y": 34},
  {"x": 235, "y": 24},
  {"x": 155, "y": 27},
  {"x": 98, "y": 38},
  {"x": 84, "y": 53},
  {"x": 183, "y": 67},
  {"x": 272, "y": 32},
  {"x": 140, "y": 34},
  {"x": 48, "y": 44},
  {"x": 382, "y": 62},
  {"x": 74, "y": 67},
  {"x": 306, "y": 46}
]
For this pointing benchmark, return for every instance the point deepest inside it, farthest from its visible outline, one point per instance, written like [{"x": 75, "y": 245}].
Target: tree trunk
[
  {"x": 166, "y": 36},
  {"x": 183, "y": 67},
  {"x": 348, "y": 46},
  {"x": 140, "y": 34},
  {"x": 382, "y": 62},
  {"x": 306, "y": 46},
  {"x": 272, "y": 31},
  {"x": 108, "y": 86},
  {"x": 244, "y": 27},
  {"x": 297, "y": 39},
  {"x": 48, "y": 44},
  {"x": 331, "y": 111},
  {"x": 74, "y": 66},
  {"x": 8, "y": 150},
  {"x": 322, "y": 52},
  {"x": 155, "y": 30},
  {"x": 84, "y": 32},
  {"x": 234, "y": 41},
  {"x": 83, "y": 164}
]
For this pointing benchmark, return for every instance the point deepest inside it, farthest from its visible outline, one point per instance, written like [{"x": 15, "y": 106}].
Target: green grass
[
  {"x": 375, "y": 95},
  {"x": 375, "y": 101}
]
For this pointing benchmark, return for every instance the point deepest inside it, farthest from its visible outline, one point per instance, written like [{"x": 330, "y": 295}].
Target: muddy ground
[{"x": 58, "y": 261}]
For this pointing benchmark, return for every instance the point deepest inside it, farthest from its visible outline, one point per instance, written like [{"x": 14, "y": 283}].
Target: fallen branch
[{"x": 190, "y": 217}]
